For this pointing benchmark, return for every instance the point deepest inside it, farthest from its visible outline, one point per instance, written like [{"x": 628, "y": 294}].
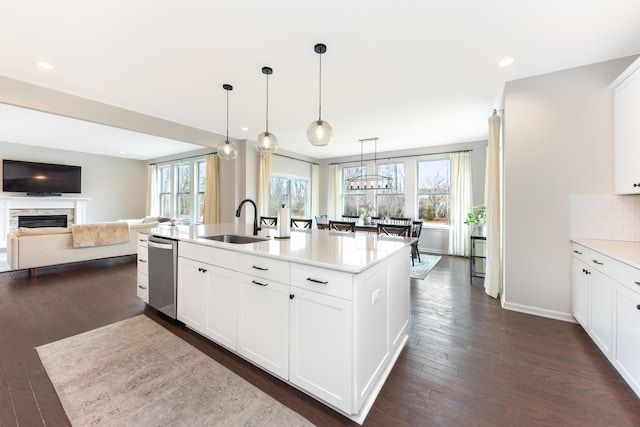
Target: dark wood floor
[{"x": 467, "y": 363}]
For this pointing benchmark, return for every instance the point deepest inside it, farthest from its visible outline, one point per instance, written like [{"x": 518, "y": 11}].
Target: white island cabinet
[
  {"x": 142, "y": 282},
  {"x": 326, "y": 312}
]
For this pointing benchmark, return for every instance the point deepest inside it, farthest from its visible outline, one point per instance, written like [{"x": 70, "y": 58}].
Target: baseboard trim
[{"x": 536, "y": 311}]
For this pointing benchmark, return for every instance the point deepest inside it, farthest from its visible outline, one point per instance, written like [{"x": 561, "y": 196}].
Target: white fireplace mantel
[{"x": 78, "y": 204}]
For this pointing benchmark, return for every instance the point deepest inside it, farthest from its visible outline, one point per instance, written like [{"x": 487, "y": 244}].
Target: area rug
[
  {"x": 424, "y": 267},
  {"x": 136, "y": 373}
]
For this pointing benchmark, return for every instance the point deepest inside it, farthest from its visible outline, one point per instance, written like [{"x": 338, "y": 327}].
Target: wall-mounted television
[{"x": 40, "y": 179}]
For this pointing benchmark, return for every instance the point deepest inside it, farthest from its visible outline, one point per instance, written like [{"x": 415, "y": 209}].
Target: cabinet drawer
[
  {"x": 142, "y": 287},
  {"x": 143, "y": 239},
  {"x": 143, "y": 259},
  {"x": 266, "y": 268},
  {"x": 214, "y": 256},
  {"x": 322, "y": 280},
  {"x": 627, "y": 276},
  {"x": 583, "y": 254}
]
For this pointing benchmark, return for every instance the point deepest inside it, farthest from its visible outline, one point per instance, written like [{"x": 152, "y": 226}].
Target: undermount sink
[{"x": 234, "y": 238}]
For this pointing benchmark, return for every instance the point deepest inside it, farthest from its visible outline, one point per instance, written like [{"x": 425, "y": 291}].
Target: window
[
  {"x": 291, "y": 192},
  {"x": 433, "y": 192},
  {"x": 181, "y": 190},
  {"x": 352, "y": 199},
  {"x": 390, "y": 201}
]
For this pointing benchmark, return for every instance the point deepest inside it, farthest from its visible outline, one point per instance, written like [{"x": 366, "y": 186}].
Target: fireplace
[{"x": 37, "y": 221}]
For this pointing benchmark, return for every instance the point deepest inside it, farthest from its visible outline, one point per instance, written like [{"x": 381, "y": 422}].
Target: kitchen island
[{"x": 326, "y": 312}]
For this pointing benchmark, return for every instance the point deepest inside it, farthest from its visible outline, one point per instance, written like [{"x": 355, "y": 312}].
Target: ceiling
[{"x": 412, "y": 73}]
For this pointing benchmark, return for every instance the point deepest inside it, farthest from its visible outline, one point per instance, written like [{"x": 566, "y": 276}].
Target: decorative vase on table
[
  {"x": 481, "y": 228},
  {"x": 366, "y": 220}
]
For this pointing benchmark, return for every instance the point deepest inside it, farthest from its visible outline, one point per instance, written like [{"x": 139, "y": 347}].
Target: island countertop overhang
[{"x": 348, "y": 252}]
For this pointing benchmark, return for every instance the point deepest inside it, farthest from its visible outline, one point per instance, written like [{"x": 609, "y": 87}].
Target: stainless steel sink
[{"x": 234, "y": 238}]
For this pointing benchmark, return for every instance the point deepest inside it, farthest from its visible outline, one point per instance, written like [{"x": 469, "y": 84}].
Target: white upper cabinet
[{"x": 627, "y": 130}]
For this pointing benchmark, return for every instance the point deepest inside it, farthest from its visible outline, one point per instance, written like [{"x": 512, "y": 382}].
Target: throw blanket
[{"x": 108, "y": 233}]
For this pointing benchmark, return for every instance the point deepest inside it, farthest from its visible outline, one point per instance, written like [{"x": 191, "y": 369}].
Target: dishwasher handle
[{"x": 168, "y": 246}]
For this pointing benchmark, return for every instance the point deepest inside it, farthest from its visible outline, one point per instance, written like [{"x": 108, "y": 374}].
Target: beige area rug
[
  {"x": 424, "y": 266},
  {"x": 136, "y": 373}
]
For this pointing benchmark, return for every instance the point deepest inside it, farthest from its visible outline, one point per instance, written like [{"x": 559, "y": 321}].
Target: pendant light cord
[
  {"x": 320, "y": 91},
  {"x": 227, "y": 116},
  {"x": 267, "y": 120}
]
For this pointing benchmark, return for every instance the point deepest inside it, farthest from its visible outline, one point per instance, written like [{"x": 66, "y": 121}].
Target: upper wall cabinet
[{"x": 627, "y": 130}]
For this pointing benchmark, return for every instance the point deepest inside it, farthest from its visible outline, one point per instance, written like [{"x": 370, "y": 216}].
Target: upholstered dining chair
[
  {"x": 269, "y": 221},
  {"x": 301, "y": 223},
  {"x": 394, "y": 230},
  {"x": 416, "y": 230},
  {"x": 322, "y": 222},
  {"x": 343, "y": 226}
]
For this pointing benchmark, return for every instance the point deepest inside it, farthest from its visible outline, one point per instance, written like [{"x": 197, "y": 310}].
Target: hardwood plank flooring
[{"x": 467, "y": 363}]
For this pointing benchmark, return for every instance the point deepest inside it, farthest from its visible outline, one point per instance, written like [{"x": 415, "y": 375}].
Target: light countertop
[
  {"x": 349, "y": 252},
  {"x": 626, "y": 252}
]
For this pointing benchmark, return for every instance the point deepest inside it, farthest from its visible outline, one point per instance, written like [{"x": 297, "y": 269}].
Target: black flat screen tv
[{"x": 40, "y": 178}]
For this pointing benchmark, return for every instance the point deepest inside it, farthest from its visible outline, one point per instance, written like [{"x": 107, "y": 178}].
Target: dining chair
[
  {"x": 394, "y": 230},
  {"x": 343, "y": 226},
  {"x": 321, "y": 222},
  {"x": 416, "y": 230},
  {"x": 400, "y": 220},
  {"x": 269, "y": 221},
  {"x": 348, "y": 218},
  {"x": 301, "y": 223},
  {"x": 375, "y": 219}
]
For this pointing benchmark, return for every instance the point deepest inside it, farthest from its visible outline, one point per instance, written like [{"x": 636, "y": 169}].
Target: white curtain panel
[
  {"x": 335, "y": 192},
  {"x": 315, "y": 190},
  {"x": 153, "y": 204},
  {"x": 461, "y": 194},
  {"x": 493, "y": 278},
  {"x": 264, "y": 179},
  {"x": 212, "y": 191}
]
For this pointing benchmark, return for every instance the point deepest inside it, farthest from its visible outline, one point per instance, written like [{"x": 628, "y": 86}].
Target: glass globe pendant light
[
  {"x": 227, "y": 149},
  {"x": 267, "y": 142},
  {"x": 319, "y": 132}
]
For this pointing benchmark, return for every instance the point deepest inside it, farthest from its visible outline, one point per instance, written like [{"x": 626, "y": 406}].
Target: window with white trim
[
  {"x": 293, "y": 192},
  {"x": 433, "y": 192},
  {"x": 181, "y": 189}
]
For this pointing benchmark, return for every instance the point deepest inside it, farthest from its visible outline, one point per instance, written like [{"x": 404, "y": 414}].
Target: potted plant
[
  {"x": 478, "y": 216},
  {"x": 366, "y": 209}
]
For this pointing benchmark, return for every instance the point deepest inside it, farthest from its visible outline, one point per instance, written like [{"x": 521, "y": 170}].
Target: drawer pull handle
[
  {"x": 142, "y": 240},
  {"x": 202, "y": 270},
  {"x": 142, "y": 260},
  {"x": 637, "y": 283},
  {"x": 259, "y": 268},
  {"x": 321, "y": 282},
  {"x": 638, "y": 306},
  {"x": 258, "y": 283},
  {"x": 597, "y": 262},
  {"x": 578, "y": 252},
  {"x": 142, "y": 287}
]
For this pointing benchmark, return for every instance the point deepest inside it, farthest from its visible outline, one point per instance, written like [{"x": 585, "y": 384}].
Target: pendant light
[
  {"x": 227, "y": 149},
  {"x": 267, "y": 142},
  {"x": 319, "y": 132}
]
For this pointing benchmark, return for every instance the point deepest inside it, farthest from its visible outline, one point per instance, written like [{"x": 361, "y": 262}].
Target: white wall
[
  {"x": 117, "y": 187},
  {"x": 558, "y": 141}
]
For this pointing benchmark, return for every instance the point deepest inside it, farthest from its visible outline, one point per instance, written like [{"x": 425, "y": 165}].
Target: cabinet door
[
  {"x": 222, "y": 306},
  {"x": 193, "y": 278},
  {"x": 627, "y": 352},
  {"x": 321, "y": 346},
  {"x": 601, "y": 331},
  {"x": 263, "y": 328},
  {"x": 627, "y": 135},
  {"x": 580, "y": 291}
]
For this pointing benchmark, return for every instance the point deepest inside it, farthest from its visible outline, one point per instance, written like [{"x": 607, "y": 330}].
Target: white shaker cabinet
[
  {"x": 142, "y": 282},
  {"x": 581, "y": 290},
  {"x": 627, "y": 351},
  {"x": 601, "y": 328},
  {"x": 321, "y": 334},
  {"x": 627, "y": 130},
  {"x": 193, "y": 281},
  {"x": 263, "y": 323}
]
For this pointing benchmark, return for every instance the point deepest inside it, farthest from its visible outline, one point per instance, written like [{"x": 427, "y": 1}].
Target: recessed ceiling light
[
  {"x": 506, "y": 61},
  {"x": 244, "y": 128},
  {"x": 45, "y": 65}
]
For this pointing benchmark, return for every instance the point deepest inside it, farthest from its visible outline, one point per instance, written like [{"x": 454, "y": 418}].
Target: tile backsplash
[{"x": 605, "y": 216}]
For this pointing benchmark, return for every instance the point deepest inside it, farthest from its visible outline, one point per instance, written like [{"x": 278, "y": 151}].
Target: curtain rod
[
  {"x": 293, "y": 158},
  {"x": 404, "y": 157},
  {"x": 184, "y": 158}
]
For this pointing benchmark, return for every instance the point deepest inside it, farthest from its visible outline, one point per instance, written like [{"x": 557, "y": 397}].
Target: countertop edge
[{"x": 626, "y": 252}]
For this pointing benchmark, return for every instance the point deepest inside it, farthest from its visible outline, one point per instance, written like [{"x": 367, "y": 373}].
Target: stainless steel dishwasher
[{"x": 163, "y": 274}]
